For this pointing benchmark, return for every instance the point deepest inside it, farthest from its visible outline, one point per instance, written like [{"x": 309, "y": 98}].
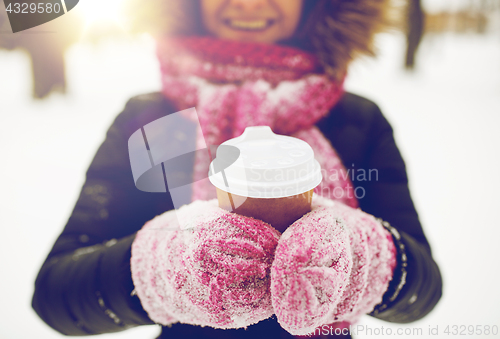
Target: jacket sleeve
[
  {"x": 364, "y": 140},
  {"x": 85, "y": 285},
  {"x": 417, "y": 285}
]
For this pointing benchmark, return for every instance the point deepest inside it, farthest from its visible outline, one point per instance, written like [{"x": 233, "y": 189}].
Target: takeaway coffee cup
[{"x": 270, "y": 177}]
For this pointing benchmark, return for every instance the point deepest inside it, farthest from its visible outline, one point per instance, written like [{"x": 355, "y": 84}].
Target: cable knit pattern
[
  {"x": 216, "y": 273},
  {"x": 334, "y": 264},
  {"x": 310, "y": 274},
  {"x": 380, "y": 263},
  {"x": 228, "y": 271}
]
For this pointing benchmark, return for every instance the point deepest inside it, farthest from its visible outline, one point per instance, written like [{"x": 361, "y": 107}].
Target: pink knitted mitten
[
  {"x": 334, "y": 264},
  {"x": 214, "y": 272}
]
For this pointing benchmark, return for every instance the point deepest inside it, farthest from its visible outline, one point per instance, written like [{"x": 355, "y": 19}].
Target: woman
[{"x": 241, "y": 55}]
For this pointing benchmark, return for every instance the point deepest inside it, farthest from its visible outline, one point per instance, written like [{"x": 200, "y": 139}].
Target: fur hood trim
[
  {"x": 346, "y": 31},
  {"x": 337, "y": 31}
]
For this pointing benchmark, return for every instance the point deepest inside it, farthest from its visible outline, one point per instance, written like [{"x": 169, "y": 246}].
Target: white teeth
[{"x": 256, "y": 24}]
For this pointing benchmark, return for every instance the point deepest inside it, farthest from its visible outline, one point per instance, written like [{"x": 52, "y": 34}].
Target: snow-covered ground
[{"x": 445, "y": 116}]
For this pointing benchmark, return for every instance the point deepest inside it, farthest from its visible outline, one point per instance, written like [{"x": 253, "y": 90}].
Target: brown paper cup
[{"x": 278, "y": 212}]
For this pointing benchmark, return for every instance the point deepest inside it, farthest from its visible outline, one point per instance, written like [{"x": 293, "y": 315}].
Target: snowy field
[{"x": 446, "y": 117}]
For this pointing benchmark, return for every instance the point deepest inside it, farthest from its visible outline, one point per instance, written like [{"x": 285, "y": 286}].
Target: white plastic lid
[{"x": 268, "y": 166}]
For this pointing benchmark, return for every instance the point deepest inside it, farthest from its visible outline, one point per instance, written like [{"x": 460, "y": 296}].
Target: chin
[{"x": 246, "y": 36}]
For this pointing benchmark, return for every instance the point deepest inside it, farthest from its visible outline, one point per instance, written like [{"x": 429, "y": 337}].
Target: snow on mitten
[
  {"x": 334, "y": 264},
  {"x": 213, "y": 272}
]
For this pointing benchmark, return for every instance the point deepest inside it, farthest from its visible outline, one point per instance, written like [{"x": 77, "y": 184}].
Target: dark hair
[{"x": 337, "y": 31}]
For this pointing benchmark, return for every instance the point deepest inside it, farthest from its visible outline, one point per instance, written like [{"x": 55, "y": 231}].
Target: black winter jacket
[{"x": 85, "y": 286}]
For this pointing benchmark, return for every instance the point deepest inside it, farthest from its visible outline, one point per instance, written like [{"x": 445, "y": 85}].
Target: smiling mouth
[{"x": 249, "y": 25}]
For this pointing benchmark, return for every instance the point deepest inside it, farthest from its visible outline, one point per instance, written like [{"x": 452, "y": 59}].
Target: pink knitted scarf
[{"x": 234, "y": 85}]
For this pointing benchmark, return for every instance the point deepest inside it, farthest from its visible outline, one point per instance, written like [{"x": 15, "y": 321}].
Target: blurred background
[{"x": 436, "y": 78}]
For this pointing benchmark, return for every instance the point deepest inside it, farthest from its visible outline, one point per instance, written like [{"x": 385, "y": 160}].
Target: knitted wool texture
[
  {"x": 338, "y": 31},
  {"x": 334, "y": 264},
  {"x": 229, "y": 271},
  {"x": 234, "y": 85},
  {"x": 214, "y": 273},
  {"x": 217, "y": 271}
]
